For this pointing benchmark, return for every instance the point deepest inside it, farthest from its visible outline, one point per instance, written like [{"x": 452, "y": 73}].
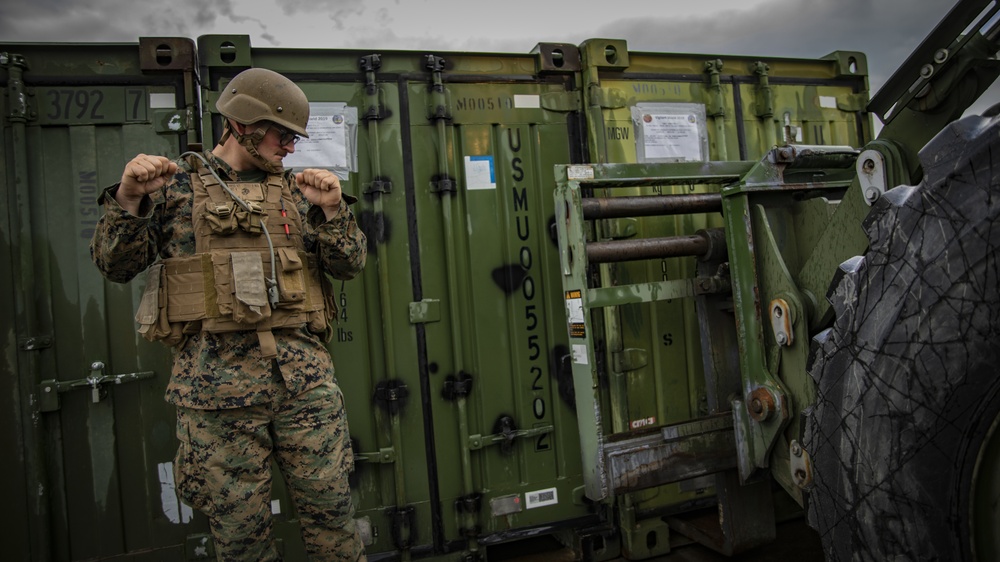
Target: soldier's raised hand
[
  {"x": 143, "y": 175},
  {"x": 320, "y": 187}
]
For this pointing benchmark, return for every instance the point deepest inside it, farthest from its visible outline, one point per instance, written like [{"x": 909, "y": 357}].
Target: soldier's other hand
[
  {"x": 145, "y": 174},
  {"x": 320, "y": 187}
]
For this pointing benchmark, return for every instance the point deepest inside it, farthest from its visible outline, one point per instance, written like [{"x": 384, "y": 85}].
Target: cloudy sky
[{"x": 886, "y": 30}]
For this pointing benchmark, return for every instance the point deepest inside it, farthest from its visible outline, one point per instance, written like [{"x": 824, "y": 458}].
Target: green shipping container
[
  {"x": 656, "y": 108},
  {"x": 83, "y": 409},
  {"x": 452, "y": 347}
]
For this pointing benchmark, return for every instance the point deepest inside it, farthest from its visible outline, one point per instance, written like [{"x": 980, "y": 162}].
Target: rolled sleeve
[
  {"x": 342, "y": 246},
  {"x": 123, "y": 245}
]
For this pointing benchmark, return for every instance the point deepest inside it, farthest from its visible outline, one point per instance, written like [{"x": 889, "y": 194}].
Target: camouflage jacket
[{"x": 226, "y": 370}]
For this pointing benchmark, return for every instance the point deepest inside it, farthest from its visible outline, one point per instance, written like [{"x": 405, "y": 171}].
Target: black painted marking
[{"x": 509, "y": 277}]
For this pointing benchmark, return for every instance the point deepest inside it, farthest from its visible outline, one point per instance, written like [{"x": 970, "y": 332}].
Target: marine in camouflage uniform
[{"x": 236, "y": 407}]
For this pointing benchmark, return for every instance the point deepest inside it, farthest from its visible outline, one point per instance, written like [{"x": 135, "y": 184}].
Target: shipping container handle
[{"x": 49, "y": 389}]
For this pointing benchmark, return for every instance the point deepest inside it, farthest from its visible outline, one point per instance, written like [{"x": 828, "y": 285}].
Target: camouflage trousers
[{"x": 223, "y": 469}]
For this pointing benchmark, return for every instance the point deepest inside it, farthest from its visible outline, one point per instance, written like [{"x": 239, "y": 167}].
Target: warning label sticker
[{"x": 574, "y": 314}]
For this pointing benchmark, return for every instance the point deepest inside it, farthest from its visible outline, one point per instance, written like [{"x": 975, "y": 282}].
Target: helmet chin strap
[{"x": 250, "y": 142}]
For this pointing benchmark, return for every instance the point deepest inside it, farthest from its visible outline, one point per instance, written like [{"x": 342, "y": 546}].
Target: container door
[
  {"x": 485, "y": 133},
  {"x": 85, "y": 410},
  {"x": 450, "y": 345}
]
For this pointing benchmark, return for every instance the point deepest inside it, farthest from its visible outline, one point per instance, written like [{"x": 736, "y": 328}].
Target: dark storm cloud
[
  {"x": 337, "y": 11},
  {"x": 51, "y": 20},
  {"x": 118, "y": 20},
  {"x": 885, "y": 30}
]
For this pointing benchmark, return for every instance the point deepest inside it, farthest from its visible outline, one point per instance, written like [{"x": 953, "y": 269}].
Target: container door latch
[{"x": 49, "y": 389}]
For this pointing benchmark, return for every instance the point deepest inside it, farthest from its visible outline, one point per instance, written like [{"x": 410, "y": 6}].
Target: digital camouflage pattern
[
  {"x": 213, "y": 370},
  {"x": 223, "y": 466},
  {"x": 236, "y": 409}
]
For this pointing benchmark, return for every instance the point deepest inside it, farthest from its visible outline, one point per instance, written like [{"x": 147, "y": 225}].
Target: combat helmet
[{"x": 257, "y": 95}]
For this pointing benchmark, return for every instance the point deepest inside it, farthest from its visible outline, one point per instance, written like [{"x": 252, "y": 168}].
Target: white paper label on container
[
  {"x": 541, "y": 498},
  {"x": 527, "y": 102},
  {"x": 332, "y": 141},
  {"x": 580, "y": 354},
  {"x": 828, "y": 102},
  {"x": 580, "y": 173},
  {"x": 162, "y": 101},
  {"x": 326, "y": 145},
  {"x": 671, "y": 137},
  {"x": 479, "y": 173}
]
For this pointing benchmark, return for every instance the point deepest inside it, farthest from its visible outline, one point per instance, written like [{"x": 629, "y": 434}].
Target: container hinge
[
  {"x": 402, "y": 517},
  {"x": 378, "y": 185},
  {"x": 434, "y": 63},
  {"x": 373, "y": 113},
  {"x": 438, "y": 108},
  {"x": 370, "y": 63},
  {"x": 375, "y": 108},
  {"x": 391, "y": 395},
  {"x": 714, "y": 105},
  {"x": 469, "y": 504},
  {"x": 49, "y": 390},
  {"x": 765, "y": 97},
  {"x": 16, "y": 92},
  {"x": 439, "y": 112},
  {"x": 443, "y": 182},
  {"x": 457, "y": 387}
]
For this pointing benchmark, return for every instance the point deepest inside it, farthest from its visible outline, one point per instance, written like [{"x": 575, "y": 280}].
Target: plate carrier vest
[{"x": 225, "y": 286}]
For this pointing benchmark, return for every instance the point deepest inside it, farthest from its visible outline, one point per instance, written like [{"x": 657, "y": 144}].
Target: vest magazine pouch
[
  {"x": 190, "y": 288},
  {"x": 319, "y": 320},
  {"x": 222, "y": 274},
  {"x": 250, "y": 304},
  {"x": 221, "y": 218},
  {"x": 151, "y": 310},
  {"x": 291, "y": 276},
  {"x": 251, "y": 221}
]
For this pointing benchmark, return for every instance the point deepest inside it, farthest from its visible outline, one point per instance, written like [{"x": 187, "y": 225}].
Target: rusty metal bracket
[
  {"x": 800, "y": 466},
  {"x": 781, "y": 322},
  {"x": 167, "y": 53}
]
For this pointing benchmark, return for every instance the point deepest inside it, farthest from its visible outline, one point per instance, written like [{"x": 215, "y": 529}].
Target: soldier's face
[{"x": 271, "y": 147}]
